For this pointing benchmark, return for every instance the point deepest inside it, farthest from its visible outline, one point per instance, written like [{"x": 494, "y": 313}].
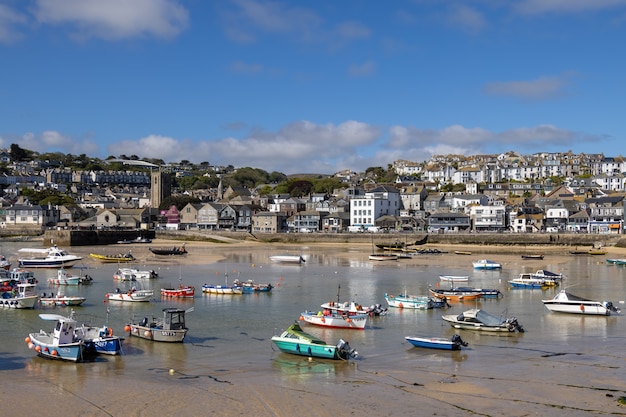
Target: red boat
[{"x": 183, "y": 291}]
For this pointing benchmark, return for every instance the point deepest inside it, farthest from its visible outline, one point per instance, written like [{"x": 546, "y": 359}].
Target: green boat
[{"x": 297, "y": 342}]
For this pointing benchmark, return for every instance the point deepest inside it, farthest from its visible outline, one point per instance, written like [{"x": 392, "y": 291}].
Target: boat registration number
[{"x": 168, "y": 333}]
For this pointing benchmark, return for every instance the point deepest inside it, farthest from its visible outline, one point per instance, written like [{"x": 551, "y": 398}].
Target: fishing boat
[
  {"x": 455, "y": 294},
  {"x": 5, "y": 264},
  {"x": 250, "y": 286},
  {"x": 60, "y": 300},
  {"x": 170, "y": 328},
  {"x": 528, "y": 281},
  {"x": 532, "y": 256},
  {"x": 52, "y": 257},
  {"x": 61, "y": 343},
  {"x": 23, "y": 295},
  {"x": 132, "y": 274},
  {"x": 287, "y": 259},
  {"x": 65, "y": 278},
  {"x": 455, "y": 343},
  {"x": 404, "y": 300},
  {"x": 565, "y": 302},
  {"x": 182, "y": 291},
  {"x": 119, "y": 258},
  {"x": 174, "y": 251},
  {"x": 383, "y": 257},
  {"x": 484, "y": 292},
  {"x": 98, "y": 339},
  {"x": 486, "y": 264},
  {"x": 297, "y": 342},
  {"x": 545, "y": 274},
  {"x": 481, "y": 320},
  {"x": 225, "y": 289},
  {"x": 133, "y": 295},
  {"x": 454, "y": 278}
]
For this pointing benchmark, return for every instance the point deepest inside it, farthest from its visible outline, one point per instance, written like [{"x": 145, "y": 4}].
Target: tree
[{"x": 18, "y": 154}]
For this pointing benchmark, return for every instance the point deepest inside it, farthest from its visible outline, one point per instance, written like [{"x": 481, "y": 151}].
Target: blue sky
[{"x": 312, "y": 86}]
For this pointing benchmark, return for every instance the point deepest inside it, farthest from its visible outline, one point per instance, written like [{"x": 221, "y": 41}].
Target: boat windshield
[{"x": 488, "y": 318}]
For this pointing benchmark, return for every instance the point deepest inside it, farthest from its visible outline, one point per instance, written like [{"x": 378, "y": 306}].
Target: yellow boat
[{"x": 113, "y": 258}]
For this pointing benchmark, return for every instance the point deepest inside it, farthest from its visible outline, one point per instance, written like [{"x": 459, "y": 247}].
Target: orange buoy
[
  {"x": 38, "y": 349},
  {"x": 109, "y": 332},
  {"x": 127, "y": 328},
  {"x": 54, "y": 353},
  {"x": 348, "y": 320},
  {"x": 582, "y": 308},
  {"x": 301, "y": 318},
  {"x": 323, "y": 320},
  {"x": 400, "y": 305},
  {"x": 27, "y": 340}
]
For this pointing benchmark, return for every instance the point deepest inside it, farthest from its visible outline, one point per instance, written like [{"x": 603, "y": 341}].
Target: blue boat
[
  {"x": 99, "y": 340},
  {"x": 437, "y": 342},
  {"x": 297, "y": 342},
  {"x": 60, "y": 344}
]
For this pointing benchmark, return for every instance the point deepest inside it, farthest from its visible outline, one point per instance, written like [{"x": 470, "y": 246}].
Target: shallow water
[{"x": 231, "y": 334}]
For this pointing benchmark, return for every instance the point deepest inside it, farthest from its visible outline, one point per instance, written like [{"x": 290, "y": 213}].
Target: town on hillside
[{"x": 545, "y": 192}]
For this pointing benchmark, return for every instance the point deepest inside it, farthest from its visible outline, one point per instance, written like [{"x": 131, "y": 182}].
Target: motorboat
[
  {"x": 119, "y": 258},
  {"x": 60, "y": 300},
  {"x": 454, "y": 343},
  {"x": 297, "y": 342},
  {"x": 454, "y": 278},
  {"x": 288, "y": 259},
  {"x": 419, "y": 302},
  {"x": 565, "y": 302},
  {"x": 132, "y": 295},
  {"x": 132, "y": 274},
  {"x": 456, "y": 294},
  {"x": 182, "y": 291},
  {"x": 529, "y": 281},
  {"x": 486, "y": 264},
  {"x": 335, "y": 319},
  {"x": 170, "y": 328},
  {"x": 481, "y": 320},
  {"x": 23, "y": 295},
  {"x": 61, "y": 343},
  {"x": 52, "y": 257},
  {"x": 66, "y": 278}
]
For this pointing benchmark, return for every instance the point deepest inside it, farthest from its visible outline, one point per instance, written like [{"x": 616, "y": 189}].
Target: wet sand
[{"x": 577, "y": 386}]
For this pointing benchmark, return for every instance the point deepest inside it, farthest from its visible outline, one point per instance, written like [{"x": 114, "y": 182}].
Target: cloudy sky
[{"x": 312, "y": 86}]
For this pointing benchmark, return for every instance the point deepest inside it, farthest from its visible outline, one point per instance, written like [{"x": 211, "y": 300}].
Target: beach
[{"x": 582, "y": 383}]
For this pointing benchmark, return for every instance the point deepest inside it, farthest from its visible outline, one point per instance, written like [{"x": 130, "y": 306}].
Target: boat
[
  {"x": 138, "y": 239},
  {"x": 383, "y": 257},
  {"x": 455, "y": 343},
  {"x": 250, "y": 286},
  {"x": 287, "y": 259},
  {"x": 350, "y": 308},
  {"x": 486, "y": 264},
  {"x": 119, "y": 258},
  {"x": 297, "y": 342},
  {"x": 22, "y": 275},
  {"x": 404, "y": 300},
  {"x": 598, "y": 251},
  {"x": 52, "y": 257},
  {"x": 565, "y": 302},
  {"x": 462, "y": 252},
  {"x": 484, "y": 292},
  {"x": 616, "y": 261},
  {"x": 132, "y": 295},
  {"x": 170, "y": 328},
  {"x": 132, "y": 274},
  {"x": 23, "y": 295},
  {"x": 528, "y": 281},
  {"x": 99, "y": 340},
  {"x": 335, "y": 320},
  {"x": 455, "y": 294},
  {"x": 60, "y": 300},
  {"x": 222, "y": 289},
  {"x": 5, "y": 264},
  {"x": 545, "y": 274},
  {"x": 454, "y": 278},
  {"x": 65, "y": 278},
  {"x": 481, "y": 320},
  {"x": 532, "y": 256},
  {"x": 61, "y": 343},
  {"x": 176, "y": 250},
  {"x": 182, "y": 291}
]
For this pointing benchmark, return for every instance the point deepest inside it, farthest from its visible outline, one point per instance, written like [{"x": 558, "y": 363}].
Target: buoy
[
  {"x": 31, "y": 345},
  {"x": 323, "y": 320},
  {"x": 38, "y": 349},
  {"x": 147, "y": 333},
  {"x": 582, "y": 308},
  {"x": 54, "y": 353},
  {"x": 27, "y": 340},
  {"x": 127, "y": 328},
  {"x": 400, "y": 305},
  {"x": 172, "y": 372},
  {"x": 348, "y": 320},
  {"x": 301, "y": 318}
]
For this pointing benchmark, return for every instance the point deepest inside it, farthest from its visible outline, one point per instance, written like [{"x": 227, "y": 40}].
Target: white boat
[
  {"x": 23, "y": 296},
  {"x": 52, "y": 257},
  {"x": 132, "y": 295},
  {"x": 528, "y": 281},
  {"x": 454, "y": 278},
  {"x": 419, "y": 302},
  {"x": 290, "y": 259},
  {"x": 222, "y": 289},
  {"x": 486, "y": 264},
  {"x": 565, "y": 302},
  {"x": 170, "y": 328},
  {"x": 61, "y": 344},
  {"x": 481, "y": 320},
  {"x": 350, "y": 308},
  {"x": 545, "y": 274},
  {"x": 60, "y": 300},
  {"x": 455, "y": 343},
  {"x": 132, "y": 274},
  {"x": 65, "y": 278},
  {"x": 383, "y": 257}
]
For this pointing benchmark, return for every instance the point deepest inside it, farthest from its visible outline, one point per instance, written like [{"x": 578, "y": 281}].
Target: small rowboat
[
  {"x": 454, "y": 278},
  {"x": 437, "y": 342}
]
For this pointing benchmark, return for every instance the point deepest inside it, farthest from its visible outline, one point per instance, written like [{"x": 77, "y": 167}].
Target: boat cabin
[
  {"x": 64, "y": 331},
  {"x": 173, "y": 319}
]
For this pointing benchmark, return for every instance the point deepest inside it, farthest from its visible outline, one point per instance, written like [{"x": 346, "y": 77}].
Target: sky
[{"x": 312, "y": 86}]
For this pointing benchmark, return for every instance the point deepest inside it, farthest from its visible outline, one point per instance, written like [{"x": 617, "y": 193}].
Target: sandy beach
[{"x": 354, "y": 388}]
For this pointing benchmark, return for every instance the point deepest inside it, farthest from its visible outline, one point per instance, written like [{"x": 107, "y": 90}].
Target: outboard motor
[
  {"x": 456, "y": 339},
  {"x": 610, "y": 307},
  {"x": 515, "y": 325},
  {"x": 345, "y": 351}
]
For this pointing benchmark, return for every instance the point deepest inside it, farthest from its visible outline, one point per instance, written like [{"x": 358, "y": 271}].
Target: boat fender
[
  {"x": 582, "y": 308},
  {"x": 109, "y": 332}
]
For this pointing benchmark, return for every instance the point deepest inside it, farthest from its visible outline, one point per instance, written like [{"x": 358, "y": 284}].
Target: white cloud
[
  {"x": 466, "y": 18},
  {"x": 538, "y": 89},
  {"x": 52, "y": 141},
  {"x": 9, "y": 21},
  {"x": 115, "y": 19},
  {"x": 565, "y": 6}
]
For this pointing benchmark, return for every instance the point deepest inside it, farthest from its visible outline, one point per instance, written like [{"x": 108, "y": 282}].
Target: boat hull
[
  {"x": 223, "y": 290},
  {"x": 157, "y": 334},
  {"x": 302, "y": 348},
  {"x": 433, "y": 343},
  {"x": 136, "y": 297},
  {"x": 42, "y": 344},
  {"x": 19, "y": 302},
  {"x": 185, "y": 292},
  {"x": 61, "y": 301},
  {"x": 288, "y": 259},
  {"x": 356, "y": 322},
  {"x": 409, "y": 302},
  {"x": 58, "y": 263}
]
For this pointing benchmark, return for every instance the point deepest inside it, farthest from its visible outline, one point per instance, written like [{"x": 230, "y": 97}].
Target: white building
[{"x": 381, "y": 201}]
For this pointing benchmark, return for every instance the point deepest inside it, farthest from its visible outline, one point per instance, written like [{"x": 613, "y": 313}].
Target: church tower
[{"x": 160, "y": 187}]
